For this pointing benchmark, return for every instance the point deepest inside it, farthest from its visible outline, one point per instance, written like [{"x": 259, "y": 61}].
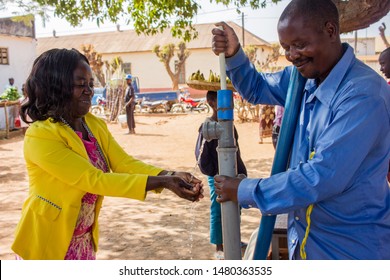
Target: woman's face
[{"x": 82, "y": 90}]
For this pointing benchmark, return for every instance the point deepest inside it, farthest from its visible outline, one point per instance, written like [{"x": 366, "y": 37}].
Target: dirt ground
[{"x": 162, "y": 227}]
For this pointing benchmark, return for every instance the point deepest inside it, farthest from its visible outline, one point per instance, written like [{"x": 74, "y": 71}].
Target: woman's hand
[
  {"x": 196, "y": 184},
  {"x": 226, "y": 188},
  {"x": 183, "y": 184},
  {"x": 184, "y": 187},
  {"x": 224, "y": 41},
  {"x": 188, "y": 177}
]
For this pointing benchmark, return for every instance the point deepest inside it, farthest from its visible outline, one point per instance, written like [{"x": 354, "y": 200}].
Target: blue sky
[{"x": 260, "y": 22}]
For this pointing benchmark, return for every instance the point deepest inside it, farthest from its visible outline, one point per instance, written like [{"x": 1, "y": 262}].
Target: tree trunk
[
  {"x": 170, "y": 72},
  {"x": 175, "y": 82}
]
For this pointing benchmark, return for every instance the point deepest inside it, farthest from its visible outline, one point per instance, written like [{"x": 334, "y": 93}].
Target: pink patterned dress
[{"x": 81, "y": 246}]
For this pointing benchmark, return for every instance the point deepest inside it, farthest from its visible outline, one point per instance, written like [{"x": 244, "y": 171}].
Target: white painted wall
[
  {"x": 22, "y": 52},
  {"x": 152, "y": 73},
  {"x": 365, "y": 46}
]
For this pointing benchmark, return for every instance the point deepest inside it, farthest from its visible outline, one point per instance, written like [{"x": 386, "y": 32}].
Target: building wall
[
  {"x": 366, "y": 52},
  {"x": 364, "y": 46},
  {"x": 152, "y": 73},
  {"x": 22, "y": 52}
]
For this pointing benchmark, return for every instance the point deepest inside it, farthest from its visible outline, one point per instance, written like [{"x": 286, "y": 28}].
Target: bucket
[{"x": 123, "y": 121}]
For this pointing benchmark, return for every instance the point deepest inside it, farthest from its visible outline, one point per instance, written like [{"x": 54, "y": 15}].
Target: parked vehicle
[
  {"x": 156, "y": 101},
  {"x": 158, "y": 106},
  {"x": 98, "y": 92},
  {"x": 171, "y": 97},
  {"x": 99, "y": 107},
  {"x": 186, "y": 103}
]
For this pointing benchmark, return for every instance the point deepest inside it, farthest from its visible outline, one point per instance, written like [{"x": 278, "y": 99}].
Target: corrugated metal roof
[{"x": 128, "y": 41}]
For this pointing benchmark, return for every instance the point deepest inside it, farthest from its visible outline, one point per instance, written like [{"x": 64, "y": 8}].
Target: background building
[
  {"x": 139, "y": 59},
  {"x": 17, "y": 50}
]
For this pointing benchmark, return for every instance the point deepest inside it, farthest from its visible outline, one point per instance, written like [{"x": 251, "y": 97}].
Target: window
[
  {"x": 4, "y": 56},
  {"x": 182, "y": 74},
  {"x": 126, "y": 68}
]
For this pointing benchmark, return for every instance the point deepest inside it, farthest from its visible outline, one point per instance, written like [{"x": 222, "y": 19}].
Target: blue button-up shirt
[{"x": 345, "y": 121}]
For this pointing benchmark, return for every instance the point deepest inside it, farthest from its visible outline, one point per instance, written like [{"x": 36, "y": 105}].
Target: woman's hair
[{"x": 49, "y": 86}]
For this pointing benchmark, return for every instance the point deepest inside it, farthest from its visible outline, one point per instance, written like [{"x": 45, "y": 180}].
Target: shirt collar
[{"x": 327, "y": 89}]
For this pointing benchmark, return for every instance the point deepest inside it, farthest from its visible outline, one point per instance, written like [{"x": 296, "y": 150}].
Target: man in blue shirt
[{"x": 341, "y": 149}]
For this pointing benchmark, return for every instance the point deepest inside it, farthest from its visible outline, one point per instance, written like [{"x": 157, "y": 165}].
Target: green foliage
[
  {"x": 166, "y": 53},
  {"x": 152, "y": 16},
  {"x": 29, "y": 7},
  {"x": 26, "y": 19},
  {"x": 254, "y": 4},
  {"x": 10, "y": 94},
  {"x": 148, "y": 16}
]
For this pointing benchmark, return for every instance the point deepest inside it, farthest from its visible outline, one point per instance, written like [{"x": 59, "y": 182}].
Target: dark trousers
[
  {"x": 275, "y": 135},
  {"x": 130, "y": 116}
]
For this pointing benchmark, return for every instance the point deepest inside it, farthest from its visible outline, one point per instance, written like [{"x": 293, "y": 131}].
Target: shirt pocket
[{"x": 45, "y": 208}]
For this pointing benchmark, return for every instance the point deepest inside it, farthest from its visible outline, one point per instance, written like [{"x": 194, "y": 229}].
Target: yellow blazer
[{"x": 60, "y": 174}]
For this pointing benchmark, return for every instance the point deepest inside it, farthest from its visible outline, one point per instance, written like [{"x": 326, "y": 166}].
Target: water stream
[{"x": 192, "y": 208}]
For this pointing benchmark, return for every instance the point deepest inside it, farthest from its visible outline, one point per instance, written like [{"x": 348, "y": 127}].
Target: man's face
[
  {"x": 307, "y": 47},
  {"x": 212, "y": 103},
  {"x": 384, "y": 62},
  {"x": 11, "y": 82},
  {"x": 128, "y": 81}
]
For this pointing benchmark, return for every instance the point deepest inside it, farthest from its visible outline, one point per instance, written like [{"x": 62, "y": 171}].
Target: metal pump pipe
[
  {"x": 227, "y": 165},
  {"x": 227, "y": 162}
]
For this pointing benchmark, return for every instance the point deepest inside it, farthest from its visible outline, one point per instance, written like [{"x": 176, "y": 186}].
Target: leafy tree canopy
[
  {"x": 148, "y": 16},
  {"x": 152, "y": 16}
]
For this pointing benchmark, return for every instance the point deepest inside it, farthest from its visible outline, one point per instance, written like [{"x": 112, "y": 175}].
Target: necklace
[{"x": 98, "y": 148}]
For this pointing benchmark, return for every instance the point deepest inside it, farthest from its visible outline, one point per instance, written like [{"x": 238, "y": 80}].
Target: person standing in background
[
  {"x": 384, "y": 62},
  {"x": 130, "y": 104},
  {"x": 11, "y": 83},
  {"x": 279, "y": 111}
]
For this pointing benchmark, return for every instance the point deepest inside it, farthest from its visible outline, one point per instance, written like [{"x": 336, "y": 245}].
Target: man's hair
[
  {"x": 211, "y": 95},
  {"x": 386, "y": 52},
  {"x": 317, "y": 12},
  {"x": 49, "y": 86}
]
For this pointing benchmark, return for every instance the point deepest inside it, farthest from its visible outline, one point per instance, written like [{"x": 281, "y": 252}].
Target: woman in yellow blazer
[{"x": 73, "y": 162}]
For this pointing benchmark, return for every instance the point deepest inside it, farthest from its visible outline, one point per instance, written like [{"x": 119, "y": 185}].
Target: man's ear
[{"x": 332, "y": 30}]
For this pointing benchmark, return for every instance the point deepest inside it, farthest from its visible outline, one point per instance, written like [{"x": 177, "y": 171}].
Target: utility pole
[
  {"x": 243, "y": 30},
  {"x": 356, "y": 42}
]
